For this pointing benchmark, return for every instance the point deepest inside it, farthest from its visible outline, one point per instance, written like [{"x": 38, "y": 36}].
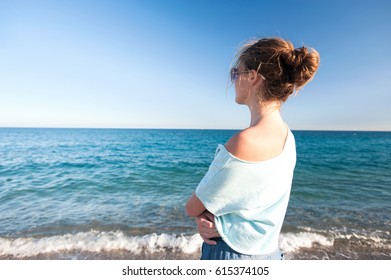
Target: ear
[{"x": 255, "y": 78}]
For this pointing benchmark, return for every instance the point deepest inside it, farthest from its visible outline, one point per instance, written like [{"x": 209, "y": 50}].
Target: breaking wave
[{"x": 98, "y": 241}]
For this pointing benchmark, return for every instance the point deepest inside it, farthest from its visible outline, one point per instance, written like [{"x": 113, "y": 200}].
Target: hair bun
[
  {"x": 293, "y": 58},
  {"x": 300, "y": 65},
  {"x": 298, "y": 56}
]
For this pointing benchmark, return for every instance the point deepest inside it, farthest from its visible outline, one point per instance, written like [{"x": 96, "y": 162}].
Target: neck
[{"x": 264, "y": 113}]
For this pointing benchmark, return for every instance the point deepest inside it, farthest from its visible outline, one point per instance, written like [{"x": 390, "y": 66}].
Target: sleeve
[{"x": 221, "y": 190}]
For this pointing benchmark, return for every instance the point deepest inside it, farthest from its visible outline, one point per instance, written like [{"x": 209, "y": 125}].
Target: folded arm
[
  {"x": 204, "y": 219},
  {"x": 194, "y": 206},
  {"x": 206, "y": 227}
]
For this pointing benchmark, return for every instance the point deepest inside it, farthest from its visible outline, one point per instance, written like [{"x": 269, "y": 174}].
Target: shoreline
[
  {"x": 318, "y": 253},
  {"x": 96, "y": 245}
]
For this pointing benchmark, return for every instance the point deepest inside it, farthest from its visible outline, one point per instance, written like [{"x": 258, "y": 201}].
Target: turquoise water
[{"x": 120, "y": 193}]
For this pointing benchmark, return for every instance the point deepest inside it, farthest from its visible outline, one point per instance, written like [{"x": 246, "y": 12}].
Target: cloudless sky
[{"x": 165, "y": 64}]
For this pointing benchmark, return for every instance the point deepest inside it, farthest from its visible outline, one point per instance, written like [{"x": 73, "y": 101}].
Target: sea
[{"x": 120, "y": 193}]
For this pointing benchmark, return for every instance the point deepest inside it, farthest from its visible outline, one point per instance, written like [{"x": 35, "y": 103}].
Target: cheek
[
  {"x": 240, "y": 95},
  {"x": 238, "y": 86},
  {"x": 240, "y": 90}
]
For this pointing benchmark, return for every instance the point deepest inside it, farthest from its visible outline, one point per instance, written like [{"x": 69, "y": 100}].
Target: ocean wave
[
  {"x": 95, "y": 241},
  {"x": 101, "y": 241},
  {"x": 374, "y": 238},
  {"x": 291, "y": 242}
]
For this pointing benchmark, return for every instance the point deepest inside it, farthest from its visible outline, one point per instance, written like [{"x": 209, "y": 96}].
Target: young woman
[{"x": 240, "y": 203}]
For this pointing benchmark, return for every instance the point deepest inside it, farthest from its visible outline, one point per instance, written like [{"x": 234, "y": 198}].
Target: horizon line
[{"x": 173, "y": 128}]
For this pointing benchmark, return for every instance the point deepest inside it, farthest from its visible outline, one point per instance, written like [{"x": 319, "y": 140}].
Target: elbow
[
  {"x": 190, "y": 211},
  {"x": 194, "y": 206}
]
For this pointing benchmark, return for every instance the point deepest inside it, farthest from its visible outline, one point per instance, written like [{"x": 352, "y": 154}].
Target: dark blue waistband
[{"x": 217, "y": 239}]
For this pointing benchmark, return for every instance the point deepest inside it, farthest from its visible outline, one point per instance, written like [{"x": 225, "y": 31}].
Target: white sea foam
[
  {"x": 374, "y": 238},
  {"x": 95, "y": 241},
  {"x": 291, "y": 242}
]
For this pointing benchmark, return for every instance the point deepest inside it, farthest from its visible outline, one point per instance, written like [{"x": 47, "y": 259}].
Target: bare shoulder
[
  {"x": 239, "y": 143},
  {"x": 254, "y": 144}
]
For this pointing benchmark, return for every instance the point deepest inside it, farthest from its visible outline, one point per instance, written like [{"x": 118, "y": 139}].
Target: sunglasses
[{"x": 235, "y": 74}]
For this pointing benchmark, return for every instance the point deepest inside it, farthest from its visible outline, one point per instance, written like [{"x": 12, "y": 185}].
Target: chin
[{"x": 238, "y": 101}]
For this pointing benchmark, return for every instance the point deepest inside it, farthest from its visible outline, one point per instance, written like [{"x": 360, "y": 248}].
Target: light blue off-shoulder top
[{"x": 249, "y": 199}]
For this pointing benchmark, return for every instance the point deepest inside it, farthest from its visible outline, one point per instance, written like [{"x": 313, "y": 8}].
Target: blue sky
[{"x": 165, "y": 64}]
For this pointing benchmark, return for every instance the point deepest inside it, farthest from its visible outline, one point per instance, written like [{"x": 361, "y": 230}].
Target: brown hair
[{"x": 284, "y": 68}]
